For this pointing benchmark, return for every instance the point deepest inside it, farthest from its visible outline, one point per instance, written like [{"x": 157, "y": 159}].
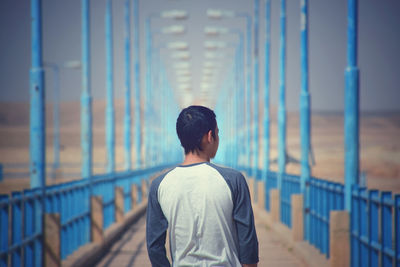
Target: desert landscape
[{"x": 379, "y": 145}]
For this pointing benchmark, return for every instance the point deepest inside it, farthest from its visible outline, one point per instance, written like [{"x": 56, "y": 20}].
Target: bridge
[{"x": 97, "y": 218}]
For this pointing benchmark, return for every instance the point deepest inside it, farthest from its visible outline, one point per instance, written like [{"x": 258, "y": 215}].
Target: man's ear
[{"x": 209, "y": 136}]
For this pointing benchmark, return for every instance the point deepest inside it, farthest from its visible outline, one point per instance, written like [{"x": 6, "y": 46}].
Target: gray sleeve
[
  {"x": 156, "y": 228},
  {"x": 242, "y": 215},
  {"x": 244, "y": 219}
]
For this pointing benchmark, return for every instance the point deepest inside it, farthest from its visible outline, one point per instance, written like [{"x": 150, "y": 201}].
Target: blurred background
[{"x": 378, "y": 61}]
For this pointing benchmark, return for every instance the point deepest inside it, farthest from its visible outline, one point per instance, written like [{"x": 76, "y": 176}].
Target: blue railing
[
  {"x": 290, "y": 186},
  {"x": 25, "y": 210},
  {"x": 324, "y": 197},
  {"x": 72, "y": 201},
  {"x": 375, "y": 217},
  {"x": 374, "y": 240},
  {"x": 272, "y": 183}
]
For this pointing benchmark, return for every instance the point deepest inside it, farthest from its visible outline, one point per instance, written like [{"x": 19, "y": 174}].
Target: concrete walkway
[{"x": 131, "y": 250}]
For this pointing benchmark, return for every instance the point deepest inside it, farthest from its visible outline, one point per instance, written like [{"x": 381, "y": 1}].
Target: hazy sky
[{"x": 378, "y": 54}]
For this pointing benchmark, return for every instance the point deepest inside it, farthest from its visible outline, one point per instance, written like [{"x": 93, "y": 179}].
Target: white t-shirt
[{"x": 207, "y": 211}]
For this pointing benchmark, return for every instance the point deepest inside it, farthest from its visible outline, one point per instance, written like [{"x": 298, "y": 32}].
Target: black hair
[{"x": 192, "y": 124}]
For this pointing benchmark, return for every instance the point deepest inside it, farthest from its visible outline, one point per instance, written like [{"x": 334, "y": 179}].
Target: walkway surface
[{"x": 131, "y": 250}]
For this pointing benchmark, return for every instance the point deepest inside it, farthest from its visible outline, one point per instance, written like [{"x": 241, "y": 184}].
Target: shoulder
[
  {"x": 232, "y": 177},
  {"x": 157, "y": 181},
  {"x": 227, "y": 172}
]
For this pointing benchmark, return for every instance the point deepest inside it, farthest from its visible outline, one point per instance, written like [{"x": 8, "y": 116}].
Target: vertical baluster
[
  {"x": 312, "y": 201},
  {"x": 38, "y": 225},
  {"x": 82, "y": 210},
  {"x": 374, "y": 226},
  {"x": 63, "y": 214},
  {"x": 86, "y": 210},
  {"x": 319, "y": 218},
  {"x": 78, "y": 210},
  {"x": 28, "y": 226},
  {"x": 325, "y": 210},
  {"x": 355, "y": 227},
  {"x": 313, "y": 209},
  {"x": 397, "y": 230},
  {"x": 16, "y": 236},
  {"x": 337, "y": 197},
  {"x": 364, "y": 237},
  {"x": 4, "y": 228},
  {"x": 386, "y": 228},
  {"x": 69, "y": 225}
]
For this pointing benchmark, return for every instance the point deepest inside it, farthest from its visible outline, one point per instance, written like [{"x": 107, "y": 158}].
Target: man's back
[{"x": 208, "y": 213}]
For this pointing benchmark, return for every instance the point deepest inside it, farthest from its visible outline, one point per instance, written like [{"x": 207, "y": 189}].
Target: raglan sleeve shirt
[{"x": 242, "y": 216}]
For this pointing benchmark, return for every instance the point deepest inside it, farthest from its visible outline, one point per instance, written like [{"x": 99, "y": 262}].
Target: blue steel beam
[
  {"x": 110, "y": 125},
  {"x": 305, "y": 135},
  {"x": 304, "y": 99},
  {"x": 282, "y": 108},
  {"x": 37, "y": 148},
  {"x": 267, "y": 89},
  {"x": 138, "y": 117},
  {"x": 238, "y": 98},
  {"x": 256, "y": 91},
  {"x": 56, "y": 120},
  {"x": 37, "y": 100},
  {"x": 147, "y": 120},
  {"x": 86, "y": 98},
  {"x": 267, "y": 74},
  {"x": 127, "y": 118},
  {"x": 248, "y": 87},
  {"x": 351, "y": 119},
  {"x": 241, "y": 103}
]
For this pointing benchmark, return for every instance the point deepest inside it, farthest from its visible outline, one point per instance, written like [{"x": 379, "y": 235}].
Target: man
[{"x": 206, "y": 208}]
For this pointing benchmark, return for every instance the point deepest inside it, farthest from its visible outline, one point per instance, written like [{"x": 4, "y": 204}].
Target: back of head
[{"x": 192, "y": 124}]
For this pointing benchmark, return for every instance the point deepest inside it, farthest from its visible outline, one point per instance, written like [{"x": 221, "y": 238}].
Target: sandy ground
[{"x": 379, "y": 145}]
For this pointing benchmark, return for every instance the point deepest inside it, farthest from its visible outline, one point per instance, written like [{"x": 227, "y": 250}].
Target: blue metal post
[
  {"x": 248, "y": 89},
  {"x": 304, "y": 112},
  {"x": 127, "y": 119},
  {"x": 56, "y": 119},
  {"x": 110, "y": 127},
  {"x": 266, "y": 95},
  {"x": 256, "y": 91},
  {"x": 147, "y": 108},
  {"x": 397, "y": 229},
  {"x": 304, "y": 99},
  {"x": 238, "y": 97},
  {"x": 282, "y": 108},
  {"x": 86, "y": 98},
  {"x": 267, "y": 88},
  {"x": 242, "y": 87},
  {"x": 138, "y": 118},
  {"x": 37, "y": 94},
  {"x": 351, "y": 119}
]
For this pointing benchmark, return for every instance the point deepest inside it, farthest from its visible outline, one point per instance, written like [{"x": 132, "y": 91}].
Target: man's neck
[{"x": 193, "y": 158}]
